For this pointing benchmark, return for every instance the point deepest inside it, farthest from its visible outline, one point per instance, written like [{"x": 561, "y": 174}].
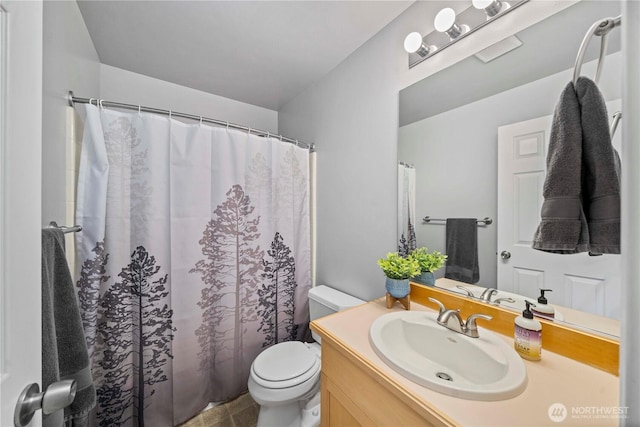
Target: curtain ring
[
  {"x": 280, "y": 138},
  {"x": 169, "y": 114},
  {"x": 268, "y": 134},
  {"x": 139, "y": 108},
  {"x": 249, "y": 131},
  {"x": 227, "y": 126},
  {"x": 101, "y": 106},
  {"x": 297, "y": 143},
  {"x": 91, "y": 100},
  {"x": 200, "y": 120}
]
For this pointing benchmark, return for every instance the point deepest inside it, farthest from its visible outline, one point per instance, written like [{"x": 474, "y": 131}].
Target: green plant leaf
[
  {"x": 396, "y": 267},
  {"x": 428, "y": 261}
]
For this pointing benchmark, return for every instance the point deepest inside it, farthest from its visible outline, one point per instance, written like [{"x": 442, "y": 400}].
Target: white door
[
  {"x": 578, "y": 281},
  {"x": 20, "y": 201}
]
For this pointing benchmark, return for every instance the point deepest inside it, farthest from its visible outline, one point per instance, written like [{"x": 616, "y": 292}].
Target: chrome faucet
[
  {"x": 452, "y": 320},
  {"x": 487, "y": 294}
]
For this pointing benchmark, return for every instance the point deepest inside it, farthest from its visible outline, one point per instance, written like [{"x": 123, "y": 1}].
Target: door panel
[
  {"x": 578, "y": 281},
  {"x": 20, "y": 200}
]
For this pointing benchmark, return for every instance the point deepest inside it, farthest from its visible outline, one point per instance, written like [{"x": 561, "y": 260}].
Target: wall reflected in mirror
[{"x": 449, "y": 131}]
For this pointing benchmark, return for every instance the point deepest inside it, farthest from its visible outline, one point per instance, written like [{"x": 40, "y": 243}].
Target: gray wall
[
  {"x": 352, "y": 117},
  {"x": 70, "y": 62},
  {"x": 455, "y": 155},
  {"x": 125, "y": 86}
]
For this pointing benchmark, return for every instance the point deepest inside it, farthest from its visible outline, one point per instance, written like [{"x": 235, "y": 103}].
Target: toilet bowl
[{"x": 285, "y": 378}]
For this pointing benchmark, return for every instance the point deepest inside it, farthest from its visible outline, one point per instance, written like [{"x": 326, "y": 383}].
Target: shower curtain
[
  {"x": 194, "y": 256},
  {"x": 406, "y": 209}
]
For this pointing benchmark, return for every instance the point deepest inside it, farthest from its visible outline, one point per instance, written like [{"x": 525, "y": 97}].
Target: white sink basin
[{"x": 413, "y": 344}]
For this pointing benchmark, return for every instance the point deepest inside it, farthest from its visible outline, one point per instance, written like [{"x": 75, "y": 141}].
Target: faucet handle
[
  {"x": 440, "y": 305},
  {"x": 488, "y": 293},
  {"x": 471, "y": 321},
  {"x": 499, "y": 300},
  {"x": 467, "y": 291}
]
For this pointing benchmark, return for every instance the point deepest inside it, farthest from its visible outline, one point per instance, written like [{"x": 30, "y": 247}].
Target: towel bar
[
  {"x": 485, "y": 221},
  {"x": 65, "y": 229}
]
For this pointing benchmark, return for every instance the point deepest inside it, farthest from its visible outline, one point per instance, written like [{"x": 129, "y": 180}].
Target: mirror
[{"x": 449, "y": 133}]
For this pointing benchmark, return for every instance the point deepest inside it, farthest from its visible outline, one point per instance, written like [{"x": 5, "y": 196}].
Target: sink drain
[{"x": 444, "y": 376}]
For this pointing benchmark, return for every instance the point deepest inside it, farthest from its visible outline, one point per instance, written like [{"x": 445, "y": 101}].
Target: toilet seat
[{"x": 285, "y": 365}]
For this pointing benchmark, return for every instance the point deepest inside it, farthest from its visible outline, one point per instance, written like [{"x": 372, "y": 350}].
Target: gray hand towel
[
  {"x": 462, "y": 250},
  {"x": 600, "y": 171},
  {"x": 64, "y": 352},
  {"x": 581, "y": 208}
]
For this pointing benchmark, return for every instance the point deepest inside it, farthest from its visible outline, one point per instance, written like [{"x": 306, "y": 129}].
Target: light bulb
[
  {"x": 445, "y": 22},
  {"x": 490, "y": 7},
  {"x": 481, "y": 4},
  {"x": 445, "y": 19},
  {"x": 413, "y": 44}
]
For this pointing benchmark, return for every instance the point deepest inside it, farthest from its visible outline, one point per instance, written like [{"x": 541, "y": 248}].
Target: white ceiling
[{"x": 259, "y": 52}]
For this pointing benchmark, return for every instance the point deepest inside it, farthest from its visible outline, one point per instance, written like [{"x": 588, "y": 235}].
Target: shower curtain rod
[{"x": 73, "y": 99}]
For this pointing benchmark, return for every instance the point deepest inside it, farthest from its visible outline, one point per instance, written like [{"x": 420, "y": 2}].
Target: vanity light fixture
[
  {"x": 451, "y": 27},
  {"x": 445, "y": 22}
]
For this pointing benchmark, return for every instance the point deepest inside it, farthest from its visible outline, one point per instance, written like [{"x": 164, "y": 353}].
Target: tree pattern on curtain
[
  {"x": 194, "y": 257},
  {"x": 133, "y": 333},
  {"x": 277, "y": 302},
  {"x": 258, "y": 184},
  {"x": 406, "y": 209},
  {"x": 407, "y": 244},
  {"x": 231, "y": 271},
  {"x": 92, "y": 275}
]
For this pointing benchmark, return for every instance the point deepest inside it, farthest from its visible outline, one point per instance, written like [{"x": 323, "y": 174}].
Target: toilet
[{"x": 285, "y": 378}]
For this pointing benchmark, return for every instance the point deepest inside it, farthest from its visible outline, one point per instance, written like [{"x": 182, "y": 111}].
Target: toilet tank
[{"x": 324, "y": 300}]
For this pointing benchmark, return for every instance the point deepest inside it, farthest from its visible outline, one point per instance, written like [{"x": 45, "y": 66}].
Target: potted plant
[
  {"x": 429, "y": 262},
  {"x": 398, "y": 271}
]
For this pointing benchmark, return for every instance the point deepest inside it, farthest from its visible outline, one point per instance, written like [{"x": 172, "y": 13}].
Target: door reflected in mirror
[{"x": 449, "y": 131}]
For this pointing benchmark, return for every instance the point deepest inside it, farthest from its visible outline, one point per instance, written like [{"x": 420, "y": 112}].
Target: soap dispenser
[
  {"x": 543, "y": 308},
  {"x": 527, "y": 337}
]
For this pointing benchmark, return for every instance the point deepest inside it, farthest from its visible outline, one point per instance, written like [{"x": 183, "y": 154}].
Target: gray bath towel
[
  {"x": 462, "y": 250},
  {"x": 64, "y": 351},
  {"x": 581, "y": 208}
]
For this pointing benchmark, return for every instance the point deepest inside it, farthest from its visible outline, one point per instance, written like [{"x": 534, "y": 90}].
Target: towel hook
[
  {"x": 614, "y": 123},
  {"x": 600, "y": 28}
]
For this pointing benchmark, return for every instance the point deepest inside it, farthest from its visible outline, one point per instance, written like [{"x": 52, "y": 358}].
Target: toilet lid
[{"x": 285, "y": 365}]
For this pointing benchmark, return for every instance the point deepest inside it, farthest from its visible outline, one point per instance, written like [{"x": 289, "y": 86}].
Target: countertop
[{"x": 590, "y": 396}]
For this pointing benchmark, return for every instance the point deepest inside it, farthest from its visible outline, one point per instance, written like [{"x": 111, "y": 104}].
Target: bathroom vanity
[{"x": 359, "y": 388}]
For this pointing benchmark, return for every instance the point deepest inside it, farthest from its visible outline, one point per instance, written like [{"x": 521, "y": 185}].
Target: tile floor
[{"x": 241, "y": 412}]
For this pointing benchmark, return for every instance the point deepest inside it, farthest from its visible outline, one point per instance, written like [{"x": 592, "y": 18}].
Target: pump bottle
[
  {"x": 543, "y": 308},
  {"x": 527, "y": 339}
]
